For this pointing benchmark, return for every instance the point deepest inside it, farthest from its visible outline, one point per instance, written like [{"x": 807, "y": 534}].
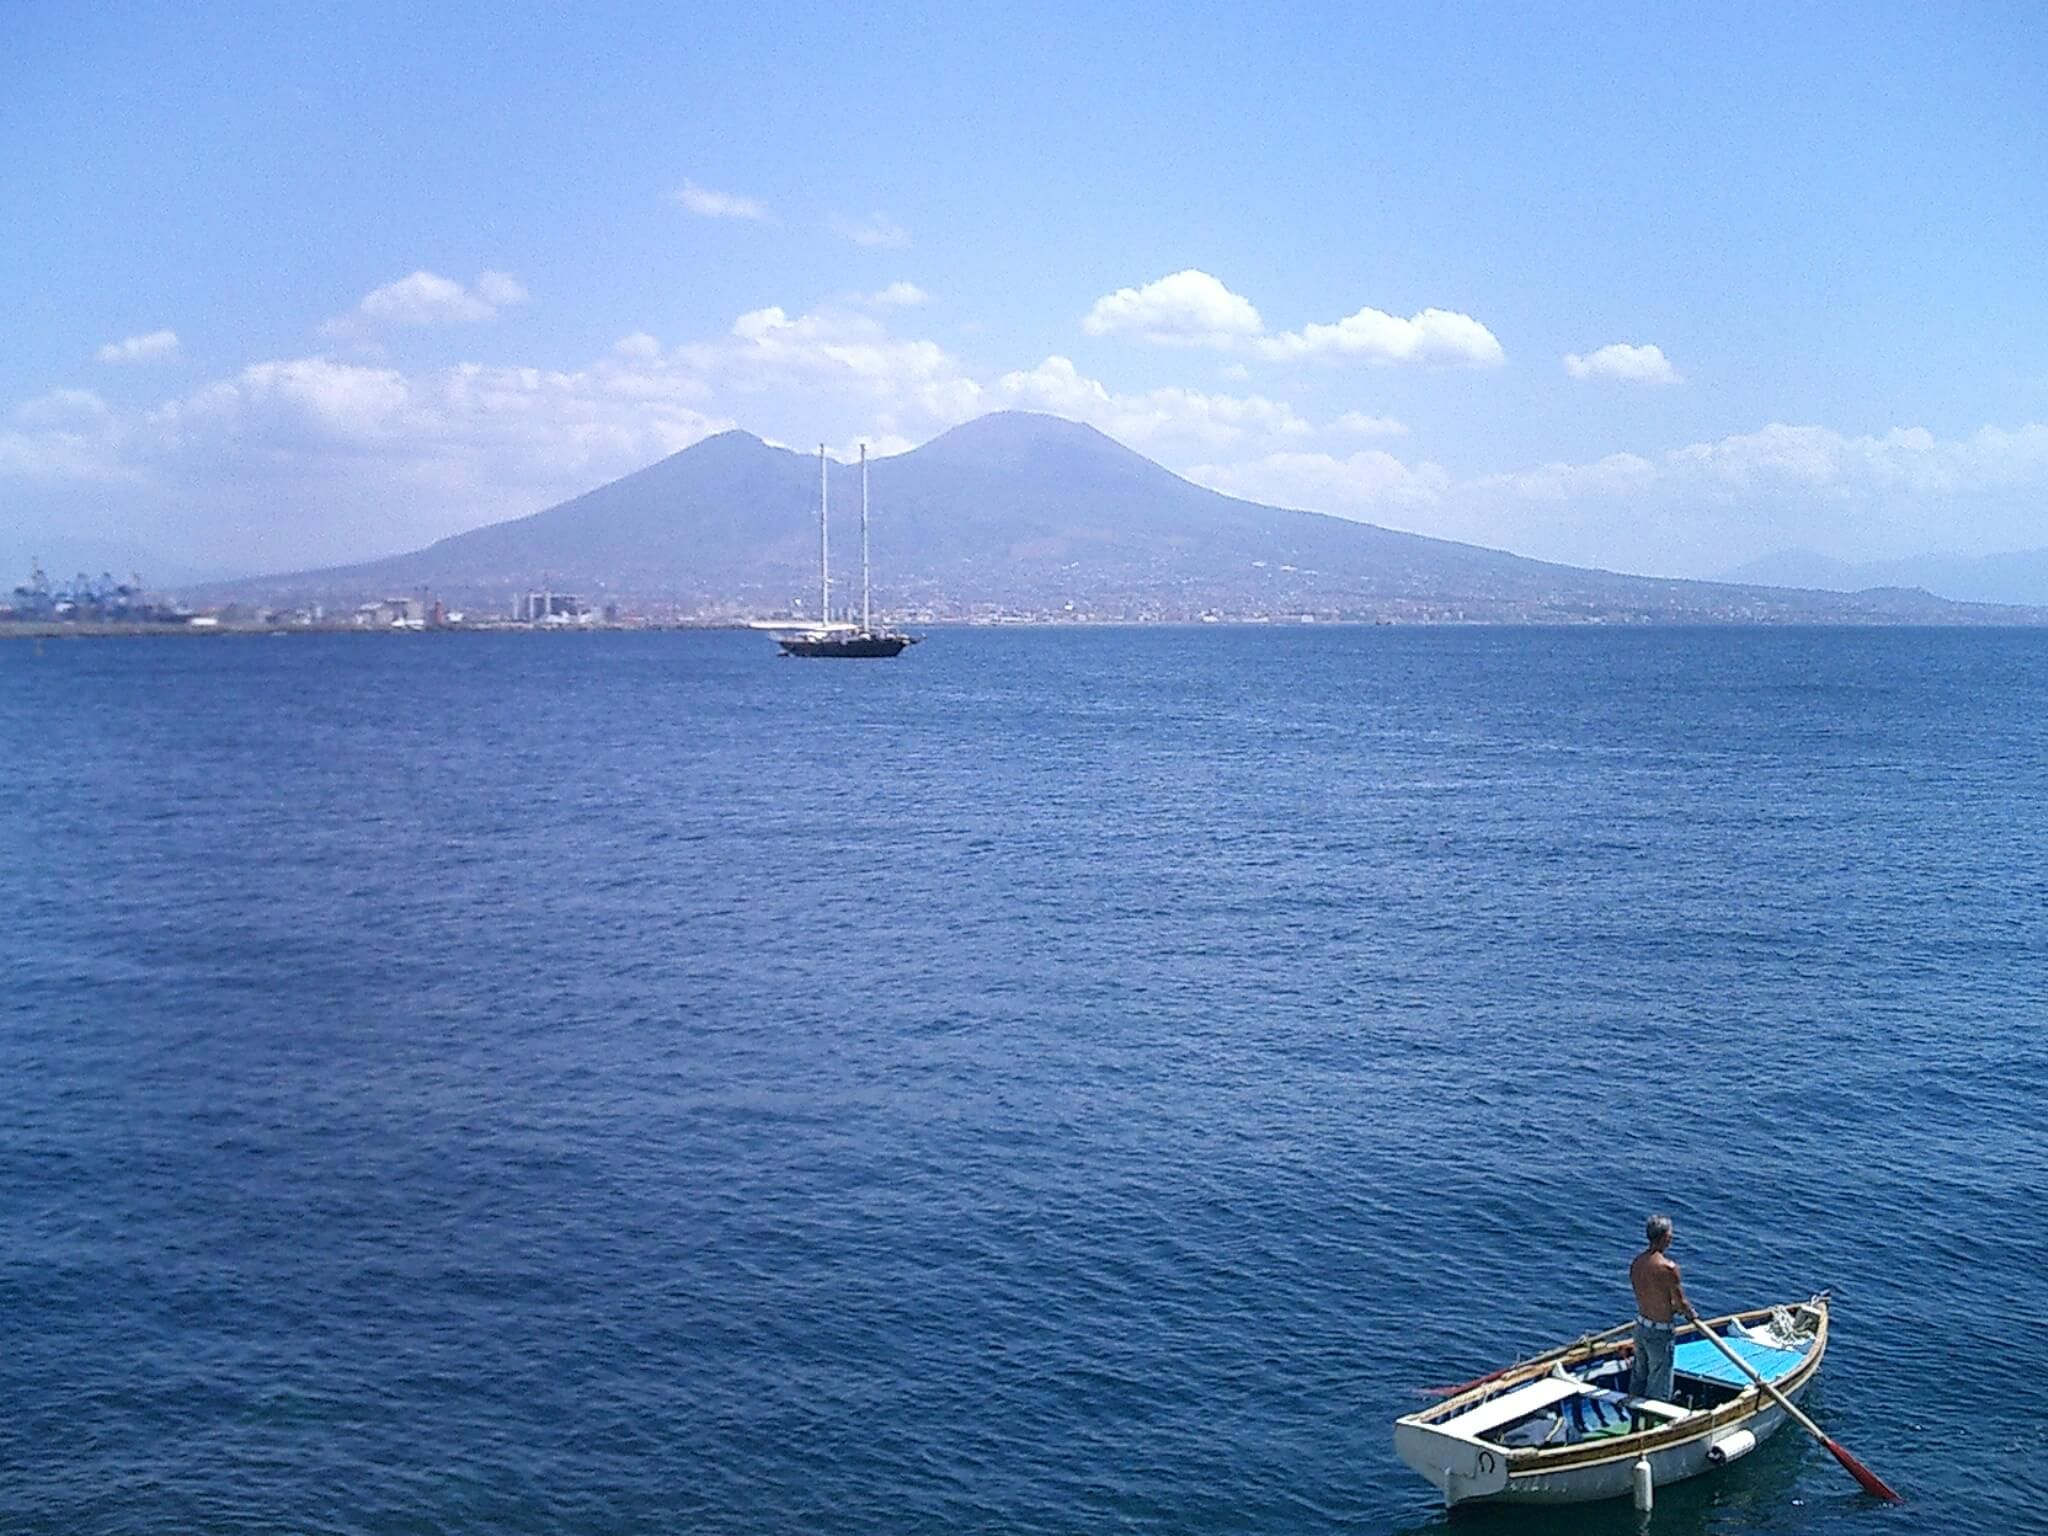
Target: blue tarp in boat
[{"x": 1699, "y": 1358}]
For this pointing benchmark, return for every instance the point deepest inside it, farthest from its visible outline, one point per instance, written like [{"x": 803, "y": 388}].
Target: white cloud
[
  {"x": 1705, "y": 506},
  {"x": 1188, "y": 308},
  {"x": 315, "y": 459},
  {"x": 877, "y": 229},
  {"x": 1155, "y": 419},
  {"x": 427, "y": 298},
  {"x": 1358, "y": 424},
  {"x": 1630, "y": 364},
  {"x": 1805, "y": 461},
  {"x": 1433, "y": 338},
  {"x": 154, "y": 347},
  {"x": 1364, "y": 482},
  {"x": 67, "y": 435},
  {"x": 381, "y": 459},
  {"x": 707, "y": 204},
  {"x": 886, "y": 446},
  {"x": 898, "y": 296},
  {"x": 902, "y": 384},
  {"x": 1193, "y": 308},
  {"x": 62, "y": 408},
  {"x": 501, "y": 289},
  {"x": 1615, "y": 475},
  {"x": 308, "y": 459}
]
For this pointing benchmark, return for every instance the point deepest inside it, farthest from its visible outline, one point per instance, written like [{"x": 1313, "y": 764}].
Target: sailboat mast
[
  {"x": 866, "y": 622},
  {"x": 824, "y": 546}
]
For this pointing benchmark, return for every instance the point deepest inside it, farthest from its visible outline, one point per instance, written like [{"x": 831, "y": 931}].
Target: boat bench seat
[
  {"x": 1530, "y": 1397},
  {"x": 1649, "y": 1405}
]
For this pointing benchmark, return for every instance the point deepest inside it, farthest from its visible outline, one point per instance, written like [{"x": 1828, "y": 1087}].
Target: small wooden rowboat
[{"x": 1562, "y": 1429}]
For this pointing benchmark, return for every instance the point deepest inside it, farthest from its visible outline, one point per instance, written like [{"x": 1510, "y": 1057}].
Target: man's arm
[{"x": 1678, "y": 1296}]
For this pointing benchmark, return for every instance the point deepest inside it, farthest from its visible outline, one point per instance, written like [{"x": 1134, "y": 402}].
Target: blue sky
[{"x": 282, "y": 285}]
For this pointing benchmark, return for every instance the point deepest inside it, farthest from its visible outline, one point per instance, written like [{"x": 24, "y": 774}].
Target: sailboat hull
[{"x": 852, "y": 646}]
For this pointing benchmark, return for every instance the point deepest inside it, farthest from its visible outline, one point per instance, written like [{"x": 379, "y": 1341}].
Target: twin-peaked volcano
[{"x": 1023, "y": 513}]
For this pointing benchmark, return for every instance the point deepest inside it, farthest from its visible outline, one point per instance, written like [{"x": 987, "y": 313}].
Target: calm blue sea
[{"x": 1055, "y": 1082}]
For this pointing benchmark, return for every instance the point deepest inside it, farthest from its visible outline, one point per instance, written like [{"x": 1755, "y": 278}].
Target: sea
[{"x": 1058, "y": 1081}]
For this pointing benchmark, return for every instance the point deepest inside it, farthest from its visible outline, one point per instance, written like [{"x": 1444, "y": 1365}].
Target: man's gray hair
[{"x": 1657, "y": 1228}]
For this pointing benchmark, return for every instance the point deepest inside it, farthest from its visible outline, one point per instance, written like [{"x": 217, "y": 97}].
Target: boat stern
[{"x": 1458, "y": 1466}]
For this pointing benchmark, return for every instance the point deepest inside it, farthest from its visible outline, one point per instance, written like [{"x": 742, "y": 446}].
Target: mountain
[
  {"x": 2019, "y": 577},
  {"x": 1017, "y": 513}
]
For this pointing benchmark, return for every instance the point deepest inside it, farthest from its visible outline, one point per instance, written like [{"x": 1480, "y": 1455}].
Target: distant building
[
  {"x": 393, "y": 613},
  {"x": 545, "y": 607}
]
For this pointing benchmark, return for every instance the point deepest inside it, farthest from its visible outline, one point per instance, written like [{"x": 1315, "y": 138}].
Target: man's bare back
[{"x": 1660, "y": 1290}]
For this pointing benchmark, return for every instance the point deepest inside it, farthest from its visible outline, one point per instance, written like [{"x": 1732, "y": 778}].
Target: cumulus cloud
[
  {"x": 887, "y": 446},
  {"x": 427, "y": 298},
  {"x": 1156, "y": 419},
  {"x": 312, "y": 459},
  {"x": 707, "y": 204},
  {"x": 1439, "y": 338},
  {"x": 386, "y": 459},
  {"x": 66, "y": 435},
  {"x": 1806, "y": 461},
  {"x": 62, "y": 408},
  {"x": 1355, "y": 486},
  {"x": 1193, "y": 308},
  {"x": 1705, "y": 506},
  {"x": 901, "y": 383},
  {"x": 306, "y": 459},
  {"x": 501, "y": 290},
  {"x": 899, "y": 296},
  {"x": 1620, "y": 360},
  {"x": 877, "y": 229},
  {"x": 1188, "y": 308},
  {"x": 154, "y": 347}
]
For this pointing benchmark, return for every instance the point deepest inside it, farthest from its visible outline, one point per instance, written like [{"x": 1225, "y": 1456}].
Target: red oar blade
[{"x": 1871, "y": 1482}]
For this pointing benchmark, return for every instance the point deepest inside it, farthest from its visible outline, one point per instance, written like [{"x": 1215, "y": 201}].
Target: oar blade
[{"x": 1871, "y": 1482}]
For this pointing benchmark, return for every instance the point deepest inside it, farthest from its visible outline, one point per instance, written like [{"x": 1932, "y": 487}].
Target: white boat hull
[
  {"x": 1610, "y": 1479},
  {"x": 1458, "y": 1445}
]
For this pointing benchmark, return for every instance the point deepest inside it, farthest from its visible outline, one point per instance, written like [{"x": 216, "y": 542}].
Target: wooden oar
[
  {"x": 1871, "y": 1482},
  {"x": 1465, "y": 1386},
  {"x": 1622, "y": 1350}
]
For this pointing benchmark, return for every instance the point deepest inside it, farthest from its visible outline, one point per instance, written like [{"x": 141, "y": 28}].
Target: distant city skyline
[{"x": 1655, "y": 297}]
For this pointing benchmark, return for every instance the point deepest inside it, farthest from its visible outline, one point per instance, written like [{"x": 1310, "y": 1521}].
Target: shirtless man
[{"x": 1660, "y": 1297}]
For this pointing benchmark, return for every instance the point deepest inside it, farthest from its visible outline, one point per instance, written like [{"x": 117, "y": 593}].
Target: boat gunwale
[{"x": 1532, "y": 1461}]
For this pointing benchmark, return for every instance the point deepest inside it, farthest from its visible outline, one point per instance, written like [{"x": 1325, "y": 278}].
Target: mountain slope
[
  {"x": 2020, "y": 576},
  {"x": 1022, "y": 513}
]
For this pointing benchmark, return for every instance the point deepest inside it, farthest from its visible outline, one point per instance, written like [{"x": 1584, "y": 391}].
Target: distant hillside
[
  {"x": 1021, "y": 513},
  {"x": 2019, "y": 577}
]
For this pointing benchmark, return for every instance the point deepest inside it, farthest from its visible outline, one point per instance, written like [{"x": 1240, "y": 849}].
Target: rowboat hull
[
  {"x": 1612, "y": 1477},
  {"x": 1468, "y": 1467}
]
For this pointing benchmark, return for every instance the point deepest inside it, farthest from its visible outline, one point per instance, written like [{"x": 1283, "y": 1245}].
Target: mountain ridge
[
  {"x": 1021, "y": 514},
  {"x": 2017, "y": 576}
]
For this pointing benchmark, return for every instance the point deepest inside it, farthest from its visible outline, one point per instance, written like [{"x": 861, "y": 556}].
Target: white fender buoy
[
  {"x": 1645, "y": 1488},
  {"x": 1728, "y": 1447}
]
